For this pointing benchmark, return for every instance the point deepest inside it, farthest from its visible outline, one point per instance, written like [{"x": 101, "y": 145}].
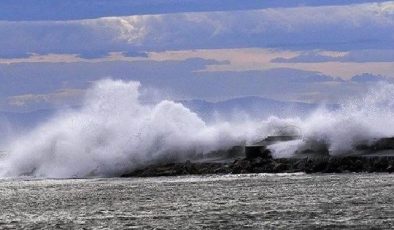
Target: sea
[{"x": 244, "y": 201}]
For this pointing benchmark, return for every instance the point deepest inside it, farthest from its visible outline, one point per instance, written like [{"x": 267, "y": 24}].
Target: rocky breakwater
[{"x": 312, "y": 157}]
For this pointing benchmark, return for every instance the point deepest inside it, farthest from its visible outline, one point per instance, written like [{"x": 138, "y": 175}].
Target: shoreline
[
  {"x": 348, "y": 164},
  {"x": 312, "y": 157}
]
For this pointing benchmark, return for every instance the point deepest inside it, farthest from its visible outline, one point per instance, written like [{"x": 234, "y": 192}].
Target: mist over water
[{"x": 114, "y": 132}]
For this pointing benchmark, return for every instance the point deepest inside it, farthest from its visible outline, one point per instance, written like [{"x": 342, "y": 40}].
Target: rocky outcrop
[
  {"x": 263, "y": 165},
  {"x": 314, "y": 157},
  {"x": 186, "y": 168}
]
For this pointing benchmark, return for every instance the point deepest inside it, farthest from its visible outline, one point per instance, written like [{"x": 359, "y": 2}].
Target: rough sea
[{"x": 248, "y": 201}]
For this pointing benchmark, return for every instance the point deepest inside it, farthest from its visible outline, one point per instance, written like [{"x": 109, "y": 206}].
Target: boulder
[
  {"x": 241, "y": 166},
  {"x": 255, "y": 151}
]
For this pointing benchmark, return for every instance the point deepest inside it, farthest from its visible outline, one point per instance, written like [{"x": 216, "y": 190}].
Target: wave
[{"x": 114, "y": 132}]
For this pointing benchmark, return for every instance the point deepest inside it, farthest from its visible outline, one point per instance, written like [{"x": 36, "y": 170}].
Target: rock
[
  {"x": 280, "y": 167},
  {"x": 255, "y": 151},
  {"x": 189, "y": 168},
  {"x": 379, "y": 164},
  {"x": 241, "y": 166},
  {"x": 390, "y": 168},
  {"x": 299, "y": 165},
  {"x": 319, "y": 165},
  {"x": 333, "y": 165},
  {"x": 257, "y": 161},
  {"x": 357, "y": 166},
  {"x": 260, "y": 164},
  {"x": 222, "y": 170}
]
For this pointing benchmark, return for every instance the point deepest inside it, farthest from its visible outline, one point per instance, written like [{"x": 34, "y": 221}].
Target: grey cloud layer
[
  {"x": 22, "y": 10},
  {"x": 352, "y": 27}
]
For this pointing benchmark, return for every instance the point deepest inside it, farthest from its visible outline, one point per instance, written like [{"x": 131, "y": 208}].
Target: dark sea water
[{"x": 251, "y": 201}]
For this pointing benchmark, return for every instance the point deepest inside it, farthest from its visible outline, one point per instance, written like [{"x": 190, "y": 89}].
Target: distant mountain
[{"x": 255, "y": 107}]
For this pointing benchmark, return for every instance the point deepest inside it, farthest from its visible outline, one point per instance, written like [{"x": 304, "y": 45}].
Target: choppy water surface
[{"x": 359, "y": 201}]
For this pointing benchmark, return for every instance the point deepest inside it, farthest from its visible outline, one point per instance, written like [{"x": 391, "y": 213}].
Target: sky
[{"x": 298, "y": 50}]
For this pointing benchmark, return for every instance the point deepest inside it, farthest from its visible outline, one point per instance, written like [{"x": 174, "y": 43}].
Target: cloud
[
  {"x": 59, "y": 97},
  {"x": 261, "y": 60},
  {"x": 358, "y": 56},
  {"x": 43, "y": 78},
  {"x": 350, "y": 27},
  {"x": 308, "y": 57},
  {"x": 19, "y": 10}
]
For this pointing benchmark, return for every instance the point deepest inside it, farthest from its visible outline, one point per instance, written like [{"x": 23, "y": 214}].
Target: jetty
[{"x": 311, "y": 157}]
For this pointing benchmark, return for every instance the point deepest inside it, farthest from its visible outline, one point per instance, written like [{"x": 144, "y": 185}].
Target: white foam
[{"x": 114, "y": 132}]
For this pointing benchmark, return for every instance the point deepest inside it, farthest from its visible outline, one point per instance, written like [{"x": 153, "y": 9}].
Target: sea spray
[
  {"x": 114, "y": 132},
  {"x": 358, "y": 120}
]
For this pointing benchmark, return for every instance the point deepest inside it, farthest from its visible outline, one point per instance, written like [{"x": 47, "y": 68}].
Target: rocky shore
[
  {"x": 260, "y": 165},
  {"x": 315, "y": 158}
]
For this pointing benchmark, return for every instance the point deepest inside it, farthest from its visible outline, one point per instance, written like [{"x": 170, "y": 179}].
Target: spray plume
[{"x": 113, "y": 132}]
